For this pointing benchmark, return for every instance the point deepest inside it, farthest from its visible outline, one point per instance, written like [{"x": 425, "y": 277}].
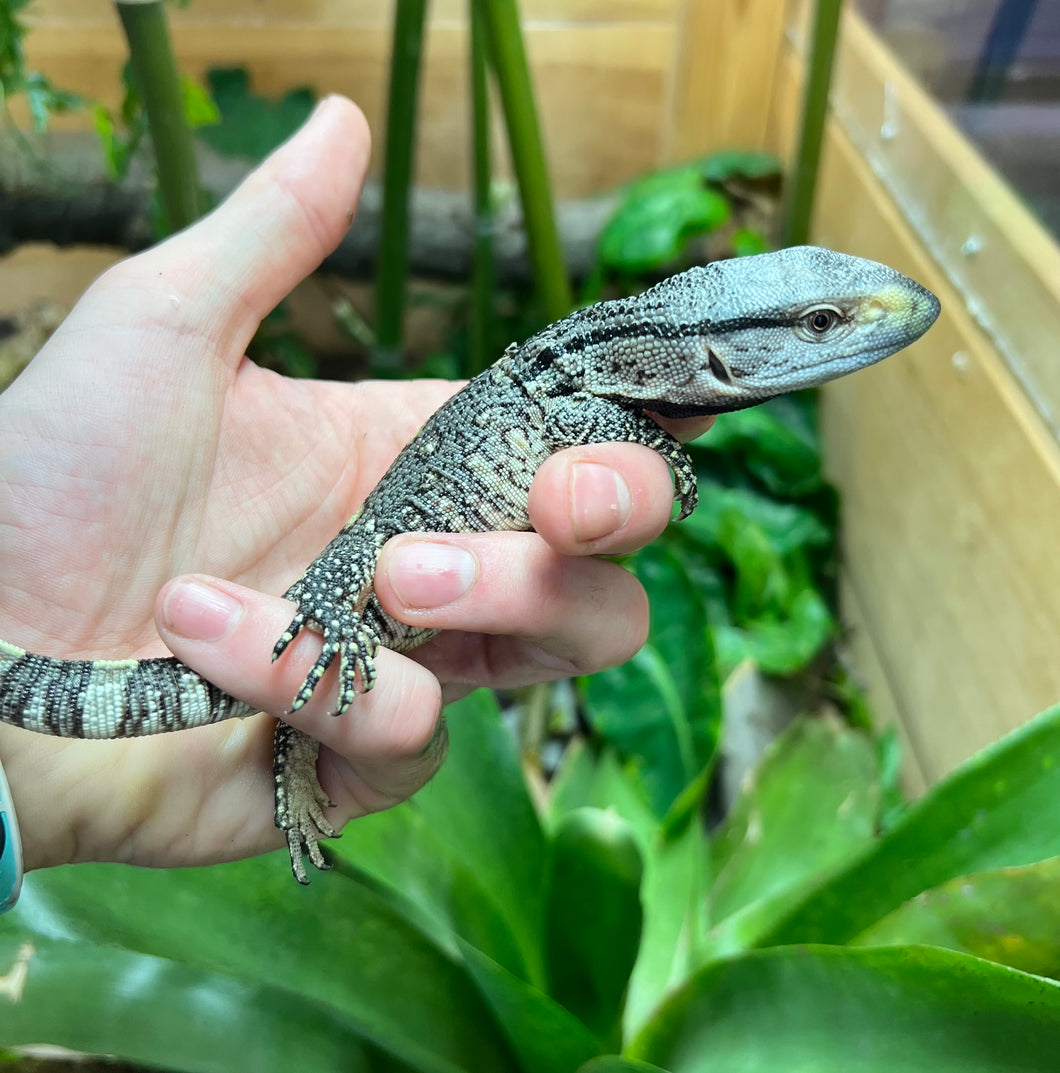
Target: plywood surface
[{"x": 951, "y": 483}]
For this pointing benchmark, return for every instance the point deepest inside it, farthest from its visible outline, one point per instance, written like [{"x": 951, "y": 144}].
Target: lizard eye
[{"x": 820, "y": 321}]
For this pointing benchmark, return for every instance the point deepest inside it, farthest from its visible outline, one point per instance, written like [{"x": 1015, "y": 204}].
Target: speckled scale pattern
[{"x": 715, "y": 338}]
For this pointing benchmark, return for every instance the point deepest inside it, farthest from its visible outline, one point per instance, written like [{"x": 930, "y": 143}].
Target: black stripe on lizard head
[{"x": 662, "y": 330}]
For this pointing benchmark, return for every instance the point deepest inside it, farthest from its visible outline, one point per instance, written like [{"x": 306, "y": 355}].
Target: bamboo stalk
[
  {"x": 508, "y": 56},
  {"x": 158, "y": 82},
  {"x": 483, "y": 274},
  {"x": 802, "y": 183},
  {"x": 405, "y": 63}
]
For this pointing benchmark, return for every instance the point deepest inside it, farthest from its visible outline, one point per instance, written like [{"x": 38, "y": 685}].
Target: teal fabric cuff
[{"x": 10, "y": 849}]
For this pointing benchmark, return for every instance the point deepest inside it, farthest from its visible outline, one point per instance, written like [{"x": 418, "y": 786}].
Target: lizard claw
[
  {"x": 687, "y": 496},
  {"x": 345, "y": 635}
]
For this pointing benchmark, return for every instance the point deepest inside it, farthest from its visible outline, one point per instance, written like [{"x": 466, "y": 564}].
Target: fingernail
[
  {"x": 425, "y": 574},
  {"x": 600, "y": 501},
  {"x": 200, "y": 612}
]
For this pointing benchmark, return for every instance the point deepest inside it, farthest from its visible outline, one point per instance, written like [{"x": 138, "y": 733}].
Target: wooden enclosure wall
[
  {"x": 947, "y": 455},
  {"x": 621, "y": 84}
]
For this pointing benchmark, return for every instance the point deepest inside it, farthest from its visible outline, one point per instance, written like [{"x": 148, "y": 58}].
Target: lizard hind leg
[
  {"x": 300, "y": 799},
  {"x": 331, "y": 597}
]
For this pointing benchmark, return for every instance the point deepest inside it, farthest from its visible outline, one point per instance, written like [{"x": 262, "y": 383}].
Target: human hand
[{"x": 141, "y": 443}]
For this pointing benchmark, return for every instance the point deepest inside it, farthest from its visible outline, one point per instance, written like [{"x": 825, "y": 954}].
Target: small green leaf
[
  {"x": 748, "y": 243},
  {"x": 593, "y": 917},
  {"x": 786, "y": 645},
  {"x": 762, "y": 581},
  {"x": 199, "y": 108},
  {"x": 987, "y": 814},
  {"x": 738, "y": 164},
  {"x": 657, "y": 216},
  {"x": 788, "y": 526},
  {"x": 251, "y": 126},
  {"x": 817, "y": 1009},
  {"x": 1011, "y": 916}
]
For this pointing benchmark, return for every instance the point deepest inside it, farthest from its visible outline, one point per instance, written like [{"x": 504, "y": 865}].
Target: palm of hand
[{"x": 127, "y": 466}]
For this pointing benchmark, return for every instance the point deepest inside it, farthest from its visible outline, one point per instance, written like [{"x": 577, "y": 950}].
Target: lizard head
[{"x": 735, "y": 333}]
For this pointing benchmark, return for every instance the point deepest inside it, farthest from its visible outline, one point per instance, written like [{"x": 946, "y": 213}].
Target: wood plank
[
  {"x": 726, "y": 58},
  {"x": 952, "y": 486},
  {"x": 871, "y": 674},
  {"x": 949, "y": 469}
]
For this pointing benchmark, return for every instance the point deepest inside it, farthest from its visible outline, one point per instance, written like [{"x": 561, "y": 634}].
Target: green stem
[
  {"x": 155, "y": 70},
  {"x": 798, "y": 203},
  {"x": 508, "y": 54},
  {"x": 405, "y": 65},
  {"x": 480, "y": 329}
]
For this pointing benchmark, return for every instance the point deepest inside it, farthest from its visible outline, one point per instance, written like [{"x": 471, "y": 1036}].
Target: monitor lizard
[{"x": 715, "y": 338}]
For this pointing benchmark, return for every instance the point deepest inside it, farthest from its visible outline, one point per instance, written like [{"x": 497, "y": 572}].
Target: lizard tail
[{"x": 107, "y": 698}]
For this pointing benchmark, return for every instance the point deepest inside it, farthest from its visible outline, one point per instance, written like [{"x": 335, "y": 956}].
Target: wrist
[{"x": 10, "y": 848}]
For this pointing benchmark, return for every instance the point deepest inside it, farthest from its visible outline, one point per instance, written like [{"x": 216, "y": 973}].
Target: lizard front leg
[
  {"x": 332, "y": 595},
  {"x": 581, "y": 418}
]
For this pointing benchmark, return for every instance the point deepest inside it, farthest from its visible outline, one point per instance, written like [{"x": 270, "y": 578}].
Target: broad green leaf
[
  {"x": 679, "y": 631},
  {"x": 657, "y": 216},
  {"x": 593, "y": 917},
  {"x": 544, "y": 1035},
  {"x": 165, "y": 1014},
  {"x": 893, "y": 1010},
  {"x": 785, "y": 645},
  {"x": 776, "y": 441},
  {"x": 789, "y": 527},
  {"x": 335, "y": 944},
  {"x": 1011, "y": 916},
  {"x": 636, "y": 707},
  {"x": 662, "y": 709},
  {"x": 400, "y": 854},
  {"x": 812, "y": 803},
  {"x": 597, "y": 779},
  {"x": 992, "y": 812},
  {"x": 612, "y": 1063},
  {"x": 676, "y": 881},
  {"x": 468, "y": 849}
]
